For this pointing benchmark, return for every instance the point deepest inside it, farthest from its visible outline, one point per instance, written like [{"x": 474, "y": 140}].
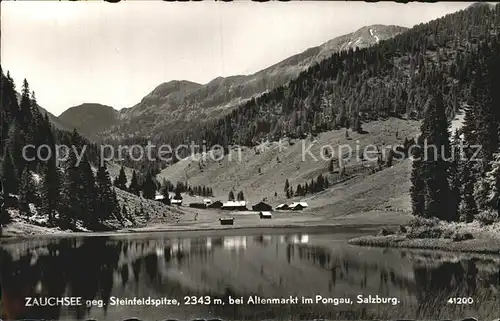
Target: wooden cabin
[
  {"x": 282, "y": 207},
  {"x": 265, "y": 214},
  {"x": 261, "y": 206},
  {"x": 226, "y": 221},
  {"x": 297, "y": 206},
  {"x": 216, "y": 204},
  {"x": 176, "y": 202},
  {"x": 197, "y": 205},
  {"x": 235, "y": 205}
]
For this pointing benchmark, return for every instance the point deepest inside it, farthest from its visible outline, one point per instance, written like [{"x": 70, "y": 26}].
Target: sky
[{"x": 116, "y": 53}]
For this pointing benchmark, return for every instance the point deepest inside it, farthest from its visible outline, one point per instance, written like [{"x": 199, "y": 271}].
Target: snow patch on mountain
[{"x": 375, "y": 36}]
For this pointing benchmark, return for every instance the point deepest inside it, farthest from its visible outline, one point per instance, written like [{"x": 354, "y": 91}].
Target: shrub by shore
[{"x": 433, "y": 234}]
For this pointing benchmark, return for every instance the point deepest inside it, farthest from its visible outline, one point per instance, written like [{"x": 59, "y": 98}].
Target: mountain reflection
[{"x": 97, "y": 268}]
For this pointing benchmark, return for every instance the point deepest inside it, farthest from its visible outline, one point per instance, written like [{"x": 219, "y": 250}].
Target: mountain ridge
[
  {"x": 86, "y": 115},
  {"x": 175, "y": 104}
]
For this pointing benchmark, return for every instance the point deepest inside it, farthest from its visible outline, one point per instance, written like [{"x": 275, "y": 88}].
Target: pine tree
[
  {"x": 331, "y": 166},
  {"x": 299, "y": 191},
  {"x": 178, "y": 190},
  {"x": 487, "y": 189},
  {"x": 121, "y": 181},
  {"x": 149, "y": 187},
  {"x": 417, "y": 190},
  {"x": 72, "y": 191},
  {"x": 455, "y": 179},
  {"x": 134, "y": 185},
  {"x": 165, "y": 193},
  {"x": 107, "y": 204},
  {"x": 469, "y": 125},
  {"x": 468, "y": 206},
  {"x": 287, "y": 185},
  {"x": 230, "y": 196},
  {"x": 241, "y": 196},
  {"x": 51, "y": 184},
  {"x": 486, "y": 124},
  {"x": 26, "y": 193},
  {"x": 25, "y": 109},
  {"x": 390, "y": 158},
  {"x": 89, "y": 195},
  {"x": 15, "y": 142},
  {"x": 435, "y": 169},
  {"x": 9, "y": 177},
  {"x": 320, "y": 183},
  {"x": 9, "y": 113}
]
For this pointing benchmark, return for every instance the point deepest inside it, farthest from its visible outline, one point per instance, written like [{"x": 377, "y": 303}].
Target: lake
[{"x": 310, "y": 274}]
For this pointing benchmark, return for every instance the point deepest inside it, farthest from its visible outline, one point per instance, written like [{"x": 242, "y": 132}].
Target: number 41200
[{"x": 465, "y": 300}]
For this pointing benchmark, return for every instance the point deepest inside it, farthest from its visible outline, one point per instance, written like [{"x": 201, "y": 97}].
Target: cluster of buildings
[
  {"x": 235, "y": 205},
  {"x": 264, "y": 209},
  {"x": 295, "y": 206},
  {"x": 173, "y": 200}
]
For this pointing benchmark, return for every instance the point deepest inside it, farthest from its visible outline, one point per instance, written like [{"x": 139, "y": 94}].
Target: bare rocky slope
[
  {"x": 176, "y": 104},
  {"x": 261, "y": 172}
]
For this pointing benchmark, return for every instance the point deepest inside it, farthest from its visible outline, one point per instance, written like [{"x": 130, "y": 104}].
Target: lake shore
[
  {"x": 484, "y": 240},
  {"x": 471, "y": 238},
  {"x": 208, "y": 221}
]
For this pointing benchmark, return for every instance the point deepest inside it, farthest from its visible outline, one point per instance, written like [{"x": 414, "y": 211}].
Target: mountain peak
[
  {"x": 169, "y": 87},
  {"x": 89, "y": 118}
]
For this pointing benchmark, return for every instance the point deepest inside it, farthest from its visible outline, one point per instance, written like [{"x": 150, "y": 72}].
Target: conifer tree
[
  {"x": 299, "y": 190},
  {"x": 15, "y": 142},
  {"x": 417, "y": 189},
  {"x": 107, "y": 204},
  {"x": 485, "y": 115},
  {"x": 166, "y": 194},
  {"x": 26, "y": 193},
  {"x": 9, "y": 113},
  {"x": 468, "y": 208},
  {"x": 469, "y": 126},
  {"x": 230, "y": 196},
  {"x": 331, "y": 166},
  {"x": 72, "y": 191},
  {"x": 390, "y": 158},
  {"x": 455, "y": 179},
  {"x": 121, "y": 181},
  {"x": 25, "y": 109},
  {"x": 134, "y": 184},
  {"x": 435, "y": 169},
  {"x": 149, "y": 187},
  {"x": 50, "y": 187},
  {"x": 89, "y": 193},
  {"x": 320, "y": 183},
  {"x": 178, "y": 190},
  {"x": 9, "y": 177}
]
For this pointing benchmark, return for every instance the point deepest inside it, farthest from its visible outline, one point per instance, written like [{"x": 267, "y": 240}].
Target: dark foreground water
[{"x": 206, "y": 273}]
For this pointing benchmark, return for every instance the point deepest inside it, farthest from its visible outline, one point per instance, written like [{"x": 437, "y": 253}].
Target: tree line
[
  {"x": 455, "y": 184},
  {"x": 67, "y": 192},
  {"x": 393, "y": 78}
]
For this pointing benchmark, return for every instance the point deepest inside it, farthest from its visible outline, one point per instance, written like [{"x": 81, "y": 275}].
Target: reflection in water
[
  {"x": 98, "y": 268},
  {"x": 235, "y": 242}
]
